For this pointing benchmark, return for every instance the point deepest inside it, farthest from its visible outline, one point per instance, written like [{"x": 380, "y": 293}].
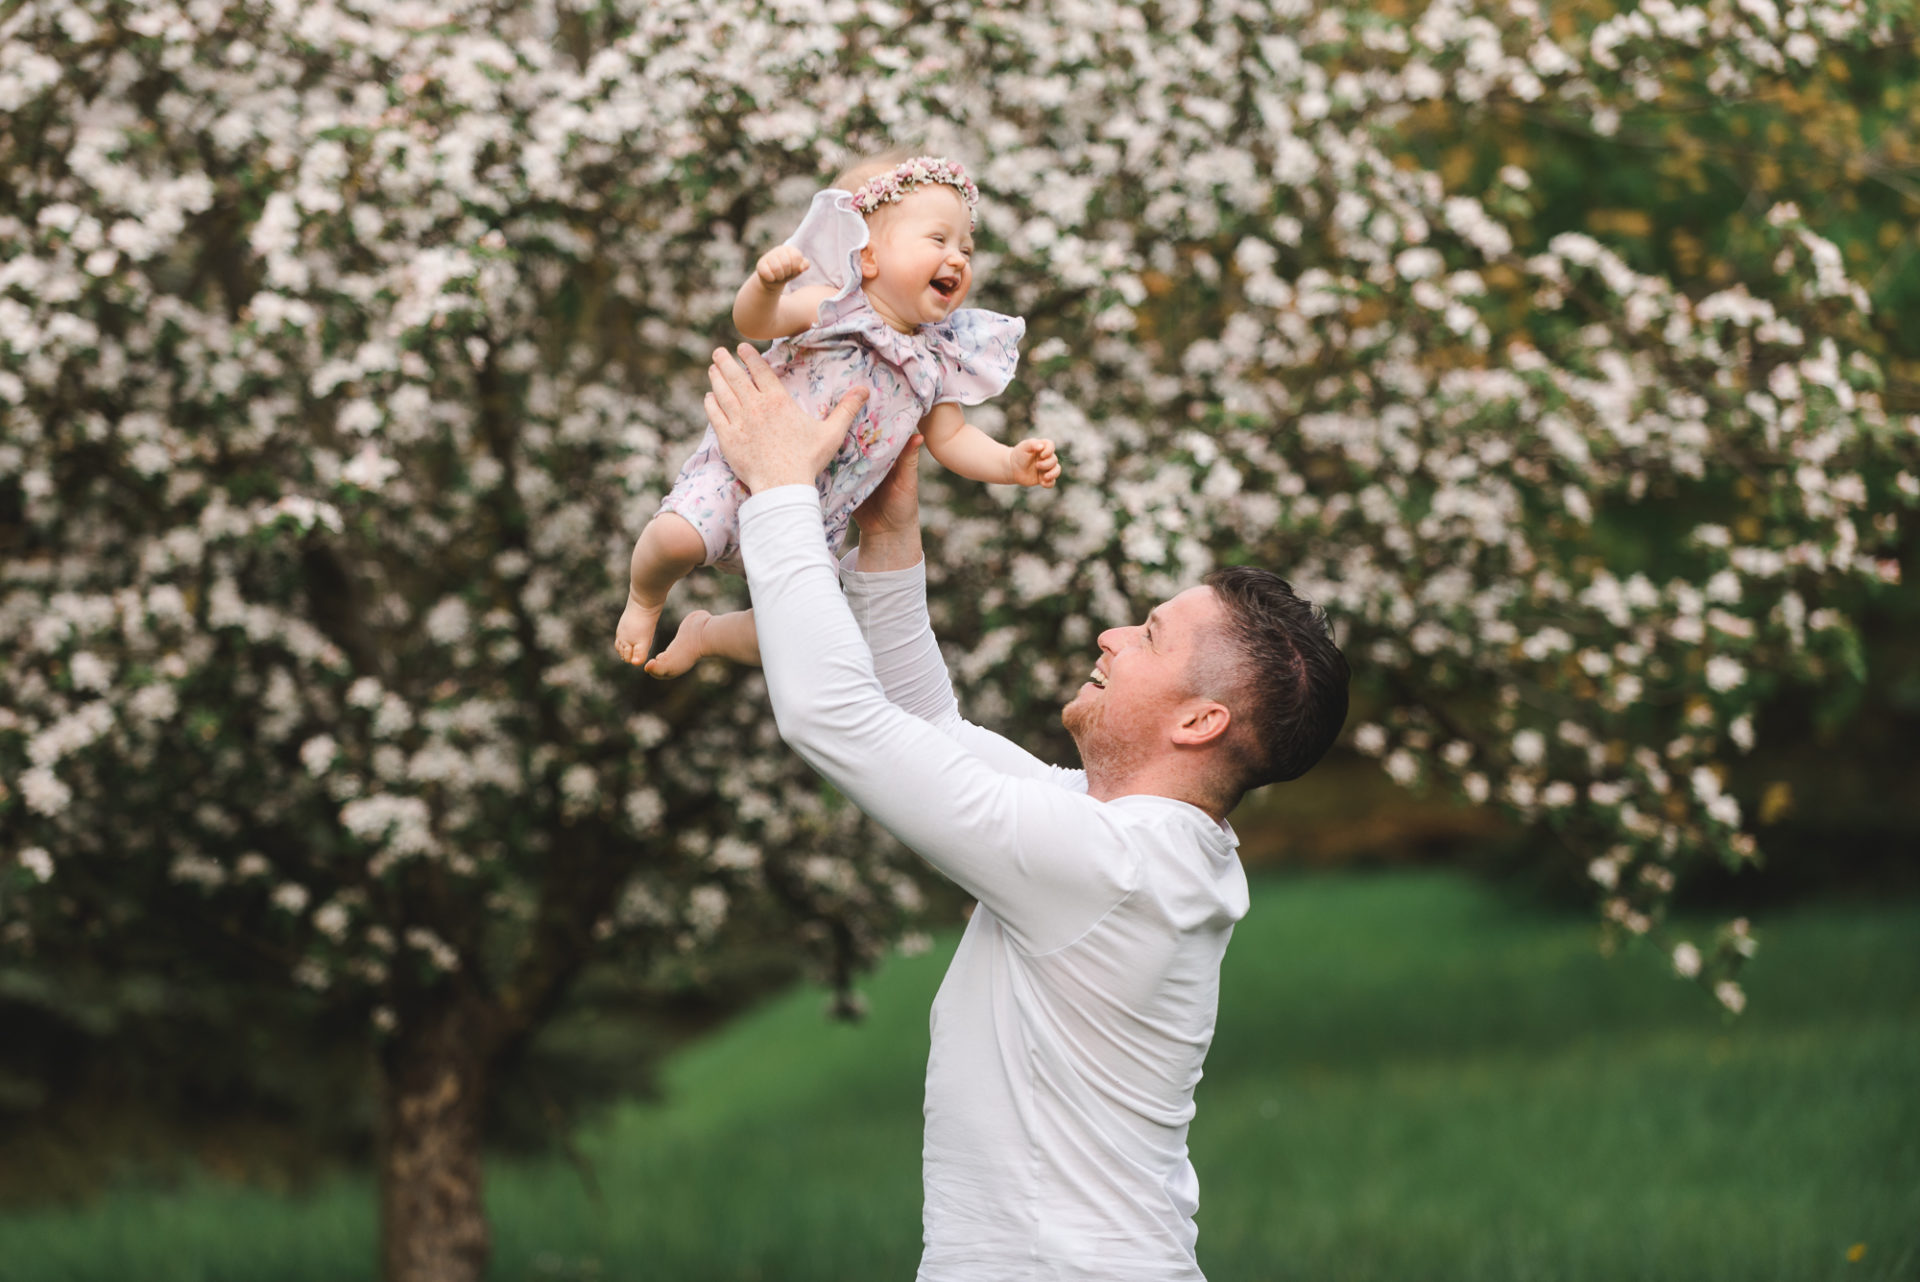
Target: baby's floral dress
[{"x": 969, "y": 358}]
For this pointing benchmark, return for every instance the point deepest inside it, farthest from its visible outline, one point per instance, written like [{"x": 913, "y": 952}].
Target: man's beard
[
  {"x": 1103, "y": 751},
  {"x": 1080, "y": 717}
]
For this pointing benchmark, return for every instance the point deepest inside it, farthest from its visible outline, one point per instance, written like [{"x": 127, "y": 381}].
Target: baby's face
[{"x": 921, "y": 264}]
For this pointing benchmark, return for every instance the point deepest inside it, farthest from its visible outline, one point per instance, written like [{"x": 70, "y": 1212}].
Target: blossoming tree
[{"x": 347, "y": 346}]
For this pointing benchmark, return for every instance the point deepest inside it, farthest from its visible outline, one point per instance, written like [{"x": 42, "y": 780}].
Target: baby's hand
[
  {"x": 1033, "y": 462},
  {"x": 778, "y": 266}
]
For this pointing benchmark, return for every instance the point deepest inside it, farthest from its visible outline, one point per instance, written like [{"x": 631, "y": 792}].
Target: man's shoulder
[{"x": 1188, "y": 861}]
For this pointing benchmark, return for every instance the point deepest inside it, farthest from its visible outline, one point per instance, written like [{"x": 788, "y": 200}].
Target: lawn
[{"x": 1415, "y": 1078}]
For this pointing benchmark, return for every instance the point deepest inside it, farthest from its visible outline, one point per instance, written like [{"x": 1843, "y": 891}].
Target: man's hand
[
  {"x": 894, "y": 505},
  {"x": 889, "y": 518},
  {"x": 778, "y": 266},
  {"x": 1033, "y": 462},
  {"x": 765, "y": 437}
]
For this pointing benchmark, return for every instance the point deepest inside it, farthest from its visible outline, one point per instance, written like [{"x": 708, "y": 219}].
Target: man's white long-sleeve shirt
[{"x": 1069, "y": 1032}]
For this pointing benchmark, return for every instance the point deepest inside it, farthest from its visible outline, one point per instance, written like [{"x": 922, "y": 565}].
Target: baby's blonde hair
[{"x": 868, "y": 167}]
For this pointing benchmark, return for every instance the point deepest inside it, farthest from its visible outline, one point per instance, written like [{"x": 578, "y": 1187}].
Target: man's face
[{"x": 1143, "y": 682}]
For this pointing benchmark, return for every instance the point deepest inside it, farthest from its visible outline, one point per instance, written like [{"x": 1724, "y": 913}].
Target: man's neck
[{"x": 1107, "y": 786}]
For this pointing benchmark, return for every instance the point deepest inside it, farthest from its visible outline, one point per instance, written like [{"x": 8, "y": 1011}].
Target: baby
[{"x": 866, "y": 293}]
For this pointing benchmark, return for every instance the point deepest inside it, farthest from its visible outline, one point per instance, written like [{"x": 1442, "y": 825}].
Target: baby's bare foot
[
  {"x": 634, "y": 635},
  {"x": 686, "y": 649}
]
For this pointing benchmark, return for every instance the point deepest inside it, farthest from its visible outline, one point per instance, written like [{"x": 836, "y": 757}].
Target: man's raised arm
[
  {"x": 886, "y": 585},
  {"x": 1039, "y": 856}
]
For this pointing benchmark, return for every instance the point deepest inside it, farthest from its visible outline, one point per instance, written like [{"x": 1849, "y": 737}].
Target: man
[{"x": 1069, "y": 1032}]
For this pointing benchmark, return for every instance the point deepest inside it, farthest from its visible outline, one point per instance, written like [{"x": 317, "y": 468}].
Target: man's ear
[
  {"x": 869, "y": 267},
  {"x": 1202, "y": 724}
]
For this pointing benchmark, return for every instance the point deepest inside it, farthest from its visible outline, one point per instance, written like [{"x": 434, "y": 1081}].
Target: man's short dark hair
[{"x": 1288, "y": 680}]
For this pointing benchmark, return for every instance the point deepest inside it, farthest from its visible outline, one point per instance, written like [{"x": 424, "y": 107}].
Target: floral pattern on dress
[{"x": 967, "y": 358}]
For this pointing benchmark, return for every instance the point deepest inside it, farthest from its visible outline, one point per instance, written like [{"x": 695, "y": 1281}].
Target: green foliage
[
  {"x": 1413, "y": 1078},
  {"x": 133, "y": 1070},
  {"x": 1682, "y": 189}
]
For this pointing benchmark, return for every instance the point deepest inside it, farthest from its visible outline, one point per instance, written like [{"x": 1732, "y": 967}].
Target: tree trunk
[{"x": 433, "y": 1225}]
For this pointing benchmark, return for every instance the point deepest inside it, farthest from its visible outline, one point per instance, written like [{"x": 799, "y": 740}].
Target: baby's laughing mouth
[{"x": 945, "y": 285}]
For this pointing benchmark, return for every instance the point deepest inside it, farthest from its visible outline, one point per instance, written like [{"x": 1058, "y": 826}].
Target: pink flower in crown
[{"x": 895, "y": 184}]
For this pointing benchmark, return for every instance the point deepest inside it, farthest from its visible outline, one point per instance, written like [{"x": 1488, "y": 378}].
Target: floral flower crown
[{"x": 894, "y": 185}]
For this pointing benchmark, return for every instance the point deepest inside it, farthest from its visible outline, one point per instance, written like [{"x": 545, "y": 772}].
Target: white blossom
[
  {"x": 644, "y": 808},
  {"x": 732, "y": 853},
  {"x": 317, "y": 754},
  {"x": 706, "y": 908},
  {"x": 43, "y": 791},
  {"x": 437, "y": 951},
  {"x": 383, "y": 504},
  {"x": 1402, "y": 767},
  {"x": 1529, "y": 747},
  {"x": 331, "y": 919},
  {"x": 154, "y": 703},
  {"x": 369, "y": 469},
  {"x": 197, "y": 870},
  {"x": 1725, "y": 674},
  {"x": 449, "y": 621}
]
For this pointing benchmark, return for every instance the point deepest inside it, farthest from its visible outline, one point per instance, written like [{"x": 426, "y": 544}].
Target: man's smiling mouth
[{"x": 1098, "y": 678}]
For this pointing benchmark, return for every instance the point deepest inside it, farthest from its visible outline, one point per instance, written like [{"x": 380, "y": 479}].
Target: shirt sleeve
[
  {"x": 890, "y": 607},
  {"x": 1046, "y": 861}
]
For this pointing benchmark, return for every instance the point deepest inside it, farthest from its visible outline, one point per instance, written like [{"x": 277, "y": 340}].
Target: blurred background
[{"x": 1433, "y": 1060}]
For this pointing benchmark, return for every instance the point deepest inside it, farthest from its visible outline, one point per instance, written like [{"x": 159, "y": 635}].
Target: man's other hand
[
  {"x": 894, "y": 504},
  {"x": 889, "y": 518},
  {"x": 766, "y": 438}
]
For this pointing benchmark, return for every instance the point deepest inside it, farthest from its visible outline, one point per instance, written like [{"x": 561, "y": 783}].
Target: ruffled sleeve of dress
[
  {"x": 970, "y": 357},
  {"x": 831, "y": 236},
  {"x": 977, "y": 352}
]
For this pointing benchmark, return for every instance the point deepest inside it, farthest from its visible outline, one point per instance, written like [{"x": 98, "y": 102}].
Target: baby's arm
[
  {"x": 964, "y": 448},
  {"x": 764, "y": 308}
]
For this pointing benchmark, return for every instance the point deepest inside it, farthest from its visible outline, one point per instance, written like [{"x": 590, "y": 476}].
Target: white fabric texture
[{"x": 1069, "y": 1032}]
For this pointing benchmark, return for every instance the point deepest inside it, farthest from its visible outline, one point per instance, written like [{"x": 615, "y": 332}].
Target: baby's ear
[{"x": 869, "y": 268}]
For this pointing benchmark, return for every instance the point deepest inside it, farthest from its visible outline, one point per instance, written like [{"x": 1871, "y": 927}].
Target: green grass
[{"x": 1414, "y": 1079}]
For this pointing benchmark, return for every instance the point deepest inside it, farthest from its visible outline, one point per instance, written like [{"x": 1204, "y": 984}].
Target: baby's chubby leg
[
  {"x": 666, "y": 552},
  {"x": 726, "y": 636}
]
